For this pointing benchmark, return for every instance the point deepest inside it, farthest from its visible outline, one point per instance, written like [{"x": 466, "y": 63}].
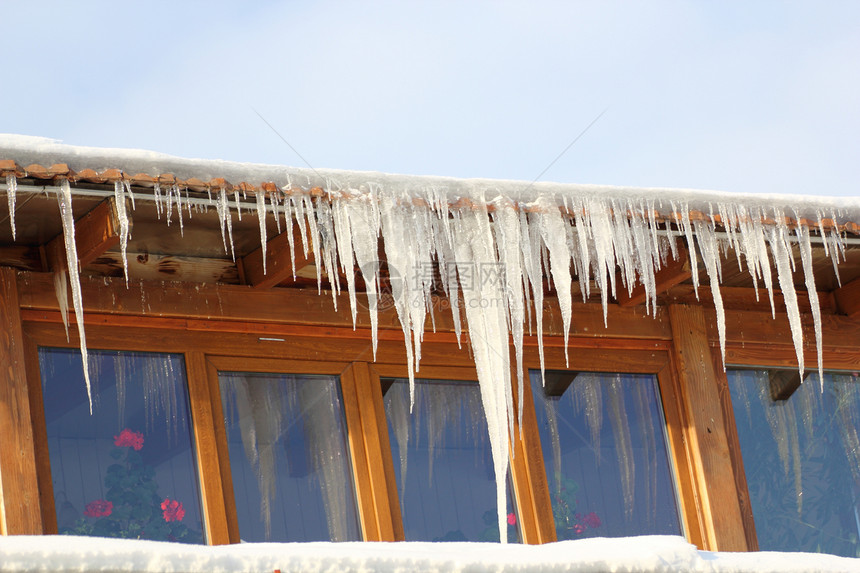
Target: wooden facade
[{"x": 221, "y": 315}]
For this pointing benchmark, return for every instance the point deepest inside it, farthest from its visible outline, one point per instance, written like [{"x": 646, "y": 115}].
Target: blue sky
[{"x": 737, "y": 96}]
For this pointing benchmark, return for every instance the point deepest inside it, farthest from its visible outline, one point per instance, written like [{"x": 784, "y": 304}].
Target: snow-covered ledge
[{"x": 60, "y": 554}]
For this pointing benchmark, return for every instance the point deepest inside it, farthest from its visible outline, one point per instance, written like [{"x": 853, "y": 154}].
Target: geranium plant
[
  {"x": 569, "y": 524},
  {"x": 133, "y": 507}
]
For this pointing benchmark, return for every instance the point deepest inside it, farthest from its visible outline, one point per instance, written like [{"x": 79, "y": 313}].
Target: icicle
[
  {"x": 11, "y": 188},
  {"x": 530, "y": 245},
  {"x": 61, "y": 289},
  {"x": 803, "y": 238},
  {"x": 65, "y": 199},
  {"x": 174, "y": 189},
  {"x": 314, "y": 237},
  {"x": 119, "y": 198},
  {"x": 507, "y": 227},
  {"x": 261, "y": 218},
  {"x": 488, "y": 334},
  {"x": 159, "y": 207},
  {"x": 238, "y": 206},
  {"x": 782, "y": 256},
  {"x": 343, "y": 236},
  {"x": 275, "y": 203},
  {"x": 687, "y": 229},
  {"x": 710, "y": 255},
  {"x": 223, "y": 210},
  {"x": 554, "y": 236},
  {"x": 127, "y": 186}
]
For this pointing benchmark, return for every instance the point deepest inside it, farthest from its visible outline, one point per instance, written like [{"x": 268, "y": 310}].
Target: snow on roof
[
  {"x": 43, "y": 152},
  {"x": 60, "y": 554}
]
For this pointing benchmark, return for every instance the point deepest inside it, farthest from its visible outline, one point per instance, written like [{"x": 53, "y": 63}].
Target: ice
[
  {"x": 507, "y": 227},
  {"x": 261, "y": 217},
  {"x": 802, "y": 234},
  {"x": 119, "y": 197},
  {"x": 711, "y": 257},
  {"x": 554, "y": 235},
  {"x": 226, "y": 219},
  {"x": 781, "y": 251},
  {"x": 488, "y": 334},
  {"x": 65, "y": 200},
  {"x": 11, "y": 187}
]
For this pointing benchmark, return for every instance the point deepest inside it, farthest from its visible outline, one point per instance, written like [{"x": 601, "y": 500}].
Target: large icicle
[
  {"x": 65, "y": 199},
  {"x": 488, "y": 333},
  {"x": 802, "y": 233},
  {"x": 119, "y": 196},
  {"x": 781, "y": 250}
]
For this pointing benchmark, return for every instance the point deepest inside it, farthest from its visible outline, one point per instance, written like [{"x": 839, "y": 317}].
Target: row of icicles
[{"x": 494, "y": 256}]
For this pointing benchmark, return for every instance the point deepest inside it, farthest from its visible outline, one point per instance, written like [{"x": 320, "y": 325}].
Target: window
[
  {"x": 442, "y": 462},
  {"x": 801, "y": 457},
  {"x": 289, "y": 457},
  {"x": 605, "y": 454},
  {"x": 126, "y": 470}
]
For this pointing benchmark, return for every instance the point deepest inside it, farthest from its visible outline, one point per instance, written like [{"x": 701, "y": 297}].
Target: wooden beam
[
  {"x": 367, "y": 509},
  {"x": 279, "y": 265},
  {"x": 299, "y": 306},
  {"x": 745, "y": 298},
  {"x": 95, "y": 233},
  {"x": 148, "y": 266},
  {"x": 21, "y": 257},
  {"x": 20, "y": 510},
  {"x": 783, "y": 383},
  {"x": 209, "y": 456},
  {"x": 374, "y": 430},
  {"x": 701, "y": 399},
  {"x": 848, "y": 298},
  {"x": 675, "y": 272}
]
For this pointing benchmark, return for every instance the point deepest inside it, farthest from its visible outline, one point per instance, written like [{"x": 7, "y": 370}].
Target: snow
[
  {"x": 534, "y": 232},
  {"x": 61, "y": 554}
]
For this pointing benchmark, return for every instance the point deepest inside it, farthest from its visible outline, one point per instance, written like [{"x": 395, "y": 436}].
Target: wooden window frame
[{"x": 678, "y": 342}]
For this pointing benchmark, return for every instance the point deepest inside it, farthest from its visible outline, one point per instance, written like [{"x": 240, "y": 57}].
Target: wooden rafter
[
  {"x": 675, "y": 272},
  {"x": 848, "y": 298},
  {"x": 95, "y": 233},
  {"x": 279, "y": 264}
]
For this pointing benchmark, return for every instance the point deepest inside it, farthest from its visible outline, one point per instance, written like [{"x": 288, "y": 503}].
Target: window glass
[
  {"x": 289, "y": 457},
  {"x": 126, "y": 470},
  {"x": 604, "y": 450},
  {"x": 801, "y": 456},
  {"x": 443, "y": 463}
]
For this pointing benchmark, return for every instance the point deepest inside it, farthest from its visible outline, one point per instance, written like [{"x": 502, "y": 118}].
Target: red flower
[
  {"x": 127, "y": 439},
  {"x": 512, "y": 519},
  {"x": 578, "y": 528},
  {"x": 98, "y": 508},
  {"x": 172, "y": 510},
  {"x": 592, "y": 520}
]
